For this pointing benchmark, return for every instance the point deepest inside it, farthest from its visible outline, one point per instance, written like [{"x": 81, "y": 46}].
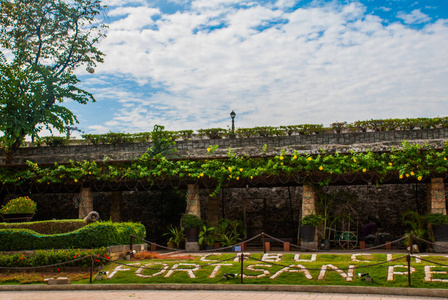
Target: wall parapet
[{"x": 341, "y": 142}]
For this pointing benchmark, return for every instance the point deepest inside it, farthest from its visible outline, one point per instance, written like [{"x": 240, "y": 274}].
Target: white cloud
[
  {"x": 415, "y": 17},
  {"x": 135, "y": 18},
  {"x": 318, "y": 65}
]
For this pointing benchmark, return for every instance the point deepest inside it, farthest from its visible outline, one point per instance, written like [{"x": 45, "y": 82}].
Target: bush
[
  {"x": 50, "y": 257},
  {"x": 47, "y": 227},
  {"x": 191, "y": 221},
  {"x": 312, "y": 220},
  {"x": 437, "y": 219},
  {"x": 20, "y": 205},
  {"x": 55, "y": 141},
  {"x": 95, "y": 235},
  {"x": 213, "y": 133}
]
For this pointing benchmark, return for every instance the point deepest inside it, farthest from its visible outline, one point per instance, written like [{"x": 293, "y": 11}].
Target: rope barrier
[
  {"x": 46, "y": 266},
  {"x": 429, "y": 242},
  {"x": 427, "y": 260},
  {"x": 207, "y": 250},
  {"x": 319, "y": 250}
]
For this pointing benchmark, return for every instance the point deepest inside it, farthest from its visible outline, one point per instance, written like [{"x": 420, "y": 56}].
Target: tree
[{"x": 44, "y": 41}]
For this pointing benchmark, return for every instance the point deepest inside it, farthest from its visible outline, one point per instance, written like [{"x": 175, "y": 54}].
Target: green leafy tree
[
  {"x": 163, "y": 142},
  {"x": 44, "y": 41}
]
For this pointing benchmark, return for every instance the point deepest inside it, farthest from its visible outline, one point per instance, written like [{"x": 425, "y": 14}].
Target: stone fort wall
[{"x": 341, "y": 142}]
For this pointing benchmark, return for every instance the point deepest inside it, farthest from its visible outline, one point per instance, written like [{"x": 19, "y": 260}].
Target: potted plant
[
  {"x": 308, "y": 227},
  {"x": 439, "y": 225},
  {"x": 191, "y": 224},
  {"x": 20, "y": 209},
  {"x": 229, "y": 232},
  {"x": 207, "y": 236},
  {"x": 176, "y": 236},
  {"x": 417, "y": 225}
]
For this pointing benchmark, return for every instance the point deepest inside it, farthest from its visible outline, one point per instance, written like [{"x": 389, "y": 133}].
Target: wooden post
[
  {"x": 91, "y": 268},
  {"x": 408, "y": 258},
  {"x": 263, "y": 242},
  {"x": 242, "y": 266}
]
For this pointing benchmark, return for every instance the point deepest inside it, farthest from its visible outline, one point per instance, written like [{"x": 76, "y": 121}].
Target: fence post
[
  {"x": 242, "y": 267},
  {"x": 91, "y": 268},
  {"x": 408, "y": 258},
  {"x": 411, "y": 244},
  {"x": 131, "y": 246},
  {"x": 263, "y": 241}
]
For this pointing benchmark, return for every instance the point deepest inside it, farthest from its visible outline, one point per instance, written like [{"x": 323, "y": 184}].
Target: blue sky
[{"x": 188, "y": 64}]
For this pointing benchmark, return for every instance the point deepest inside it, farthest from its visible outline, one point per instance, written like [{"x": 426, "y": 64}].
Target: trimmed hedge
[
  {"x": 95, "y": 235},
  {"x": 47, "y": 227}
]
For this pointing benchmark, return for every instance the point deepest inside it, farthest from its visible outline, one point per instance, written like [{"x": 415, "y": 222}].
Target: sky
[{"x": 188, "y": 64}]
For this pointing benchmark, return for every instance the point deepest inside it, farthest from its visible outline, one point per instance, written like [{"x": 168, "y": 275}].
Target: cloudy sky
[{"x": 188, "y": 64}]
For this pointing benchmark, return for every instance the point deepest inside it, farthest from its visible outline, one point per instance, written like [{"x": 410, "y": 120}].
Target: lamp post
[{"x": 232, "y": 115}]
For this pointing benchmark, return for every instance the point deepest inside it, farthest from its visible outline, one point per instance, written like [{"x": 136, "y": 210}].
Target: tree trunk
[{"x": 9, "y": 152}]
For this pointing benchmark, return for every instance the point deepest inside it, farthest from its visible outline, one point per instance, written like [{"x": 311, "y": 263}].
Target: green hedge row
[
  {"x": 47, "y": 227},
  {"x": 49, "y": 257},
  {"x": 116, "y": 138},
  {"x": 95, "y": 235}
]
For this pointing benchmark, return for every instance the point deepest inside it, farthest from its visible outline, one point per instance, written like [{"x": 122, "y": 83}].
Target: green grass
[{"x": 378, "y": 273}]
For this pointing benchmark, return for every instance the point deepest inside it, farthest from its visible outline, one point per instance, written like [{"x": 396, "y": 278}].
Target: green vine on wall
[{"x": 409, "y": 161}]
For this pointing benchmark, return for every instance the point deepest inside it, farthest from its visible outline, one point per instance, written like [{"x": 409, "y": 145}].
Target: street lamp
[{"x": 232, "y": 115}]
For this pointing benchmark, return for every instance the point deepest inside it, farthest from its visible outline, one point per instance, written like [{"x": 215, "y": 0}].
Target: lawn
[{"x": 385, "y": 270}]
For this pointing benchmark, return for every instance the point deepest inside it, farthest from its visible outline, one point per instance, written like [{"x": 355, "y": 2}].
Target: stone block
[
  {"x": 441, "y": 247},
  {"x": 59, "y": 280},
  {"x": 192, "y": 246},
  {"x": 308, "y": 246}
]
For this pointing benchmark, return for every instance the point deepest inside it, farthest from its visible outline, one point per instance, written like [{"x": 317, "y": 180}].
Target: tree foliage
[{"x": 43, "y": 42}]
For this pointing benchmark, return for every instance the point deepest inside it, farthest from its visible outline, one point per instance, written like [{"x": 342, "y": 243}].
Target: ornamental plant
[
  {"x": 20, "y": 205},
  {"x": 312, "y": 220},
  {"x": 191, "y": 221},
  {"x": 437, "y": 219}
]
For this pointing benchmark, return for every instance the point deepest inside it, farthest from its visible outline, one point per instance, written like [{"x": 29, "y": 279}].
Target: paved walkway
[{"x": 193, "y": 295}]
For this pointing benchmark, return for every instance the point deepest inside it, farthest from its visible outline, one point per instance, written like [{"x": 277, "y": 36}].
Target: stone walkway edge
[{"x": 236, "y": 287}]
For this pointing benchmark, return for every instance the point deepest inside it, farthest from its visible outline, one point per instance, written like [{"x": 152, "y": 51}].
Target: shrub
[
  {"x": 213, "y": 133},
  {"x": 312, "y": 220},
  {"x": 191, "y": 221},
  {"x": 437, "y": 219},
  {"x": 95, "y": 235},
  {"x": 50, "y": 257},
  {"x": 246, "y": 132},
  {"x": 20, "y": 205},
  {"x": 47, "y": 227},
  {"x": 55, "y": 141}
]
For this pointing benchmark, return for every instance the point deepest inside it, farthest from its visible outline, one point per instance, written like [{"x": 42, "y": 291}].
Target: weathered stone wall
[
  {"x": 384, "y": 203},
  {"x": 341, "y": 142}
]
